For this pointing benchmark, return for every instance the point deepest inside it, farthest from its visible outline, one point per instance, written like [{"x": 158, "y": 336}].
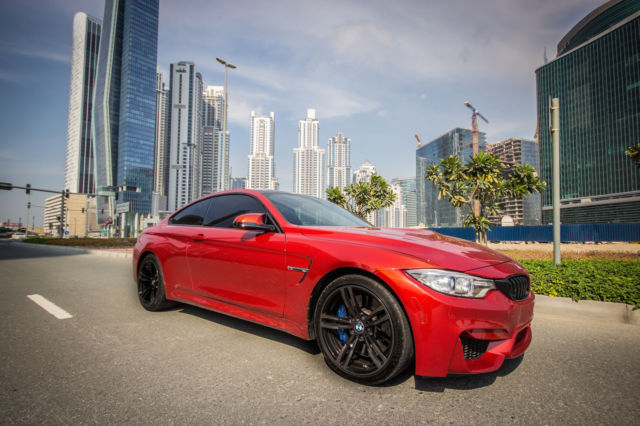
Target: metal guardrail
[{"x": 593, "y": 232}]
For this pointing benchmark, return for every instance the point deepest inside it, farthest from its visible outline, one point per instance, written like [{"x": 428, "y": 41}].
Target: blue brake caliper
[{"x": 342, "y": 313}]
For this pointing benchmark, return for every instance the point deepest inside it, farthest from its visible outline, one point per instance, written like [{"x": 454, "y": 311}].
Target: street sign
[
  {"x": 66, "y": 232},
  {"x": 123, "y": 207}
]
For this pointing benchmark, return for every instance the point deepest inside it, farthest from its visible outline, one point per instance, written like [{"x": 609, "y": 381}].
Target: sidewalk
[{"x": 587, "y": 309}]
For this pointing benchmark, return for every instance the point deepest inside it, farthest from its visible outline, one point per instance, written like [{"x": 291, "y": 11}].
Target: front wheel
[
  {"x": 362, "y": 330},
  {"x": 151, "y": 285}
]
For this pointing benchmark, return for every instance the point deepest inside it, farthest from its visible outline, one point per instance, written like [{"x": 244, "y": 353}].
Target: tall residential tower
[
  {"x": 261, "y": 162},
  {"x": 339, "y": 161},
  {"x": 186, "y": 131},
  {"x": 161, "y": 161},
  {"x": 214, "y": 164},
  {"x": 308, "y": 157}
]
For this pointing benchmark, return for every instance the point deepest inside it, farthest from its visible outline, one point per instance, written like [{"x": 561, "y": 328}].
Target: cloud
[{"x": 33, "y": 52}]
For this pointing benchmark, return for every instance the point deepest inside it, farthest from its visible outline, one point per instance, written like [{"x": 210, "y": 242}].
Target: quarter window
[{"x": 192, "y": 215}]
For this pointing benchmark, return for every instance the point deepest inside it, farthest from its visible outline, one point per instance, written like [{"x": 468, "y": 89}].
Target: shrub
[
  {"x": 605, "y": 280},
  {"x": 84, "y": 242}
]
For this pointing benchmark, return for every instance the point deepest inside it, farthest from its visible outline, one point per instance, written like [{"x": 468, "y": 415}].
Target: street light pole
[{"x": 225, "y": 152}]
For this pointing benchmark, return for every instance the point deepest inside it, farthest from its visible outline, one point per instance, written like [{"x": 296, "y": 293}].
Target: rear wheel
[
  {"x": 362, "y": 330},
  {"x": 151, "y": 285}
]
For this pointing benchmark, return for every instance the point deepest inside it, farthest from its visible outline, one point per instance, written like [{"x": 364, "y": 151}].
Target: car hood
[{"x": 438, "y": 250}]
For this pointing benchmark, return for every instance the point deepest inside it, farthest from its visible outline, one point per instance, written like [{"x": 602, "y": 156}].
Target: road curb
[
  {"x": 110, "y": 253},
  {"x": 121, "y": 253},
  {"x": 590, "y": 309}
]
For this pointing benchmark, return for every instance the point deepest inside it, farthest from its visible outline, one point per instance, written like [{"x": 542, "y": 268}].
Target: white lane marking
[{"x": 50, "y": 307}]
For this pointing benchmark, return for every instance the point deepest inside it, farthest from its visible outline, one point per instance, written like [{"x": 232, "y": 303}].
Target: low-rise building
[{"x": 78, "y": 216}]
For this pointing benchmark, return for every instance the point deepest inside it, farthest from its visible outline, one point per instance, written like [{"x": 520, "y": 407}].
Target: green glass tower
[{"x": 596, "y": 77}]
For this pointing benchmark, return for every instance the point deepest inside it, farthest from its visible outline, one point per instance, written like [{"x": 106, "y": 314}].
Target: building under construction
[{"x": 512, "y": 152}]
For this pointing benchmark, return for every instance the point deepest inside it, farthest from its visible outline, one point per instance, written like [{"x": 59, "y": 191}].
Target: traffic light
[
  {"x": 58, "y": 218},
  {"x": 66, "y": 193},
  {"x": 29, "y": 204},
  {"x": 27, "y": 188},
  {"x": 82, "y": 210}
]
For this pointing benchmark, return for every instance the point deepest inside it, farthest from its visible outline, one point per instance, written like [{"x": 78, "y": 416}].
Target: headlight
[{"x": 453, "y": 283}]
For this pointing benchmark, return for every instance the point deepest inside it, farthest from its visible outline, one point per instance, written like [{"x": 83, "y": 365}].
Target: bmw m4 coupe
[{"x": 376, "y": 300}]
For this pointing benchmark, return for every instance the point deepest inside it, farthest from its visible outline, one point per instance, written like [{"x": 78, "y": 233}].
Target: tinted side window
[
  {"x": 192, "y": 215},
  {"x": 225, "y": 208}
]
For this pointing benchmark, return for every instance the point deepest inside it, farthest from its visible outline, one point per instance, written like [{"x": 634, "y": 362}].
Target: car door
[
  {"x": 238, "y": 266},
  {"x": 178, "y": 234}
]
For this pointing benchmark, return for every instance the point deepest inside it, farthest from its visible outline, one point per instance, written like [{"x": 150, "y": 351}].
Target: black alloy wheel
[
  {"x": 151, "y": 285},
  {"x": 362, "y": 330}
]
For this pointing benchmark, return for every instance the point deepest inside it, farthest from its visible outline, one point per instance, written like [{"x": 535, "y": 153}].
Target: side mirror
[{"x": 252, "y": 222}]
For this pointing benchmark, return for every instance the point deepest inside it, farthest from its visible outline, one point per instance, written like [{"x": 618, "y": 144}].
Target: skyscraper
[
  {"x": 185, "y": 182},
  {"x": 308, "y": 159},
  {"x": 161, "y": 162},
  {"x": 339, "y": 161},
  {"x": 213, "y": 162},
  {"x": 430, "y": 210},
  {"x": 408, "y": 198},
  {"x": 124, "y": 109},
  {"x": 261, "y": 163},
  {"x": 596, "y": 76},
  {"x": 78, "y": 176}
]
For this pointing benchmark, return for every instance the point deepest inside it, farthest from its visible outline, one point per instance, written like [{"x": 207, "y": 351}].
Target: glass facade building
[
  {"x": 124, "y": 107},
  {"x": 596, "y": 77},
  {"x": 408, "y": 197},
  {"x": 430, "y": 210}
]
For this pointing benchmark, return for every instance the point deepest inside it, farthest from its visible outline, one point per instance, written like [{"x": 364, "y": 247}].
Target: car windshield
[{"x": 309, "y": 211}]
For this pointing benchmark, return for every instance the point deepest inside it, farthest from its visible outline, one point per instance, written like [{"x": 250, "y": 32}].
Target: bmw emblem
[{"x": 359, "y": 327}]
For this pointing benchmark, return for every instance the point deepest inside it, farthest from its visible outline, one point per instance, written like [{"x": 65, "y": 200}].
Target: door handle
[{"x": 199, "y": 237}]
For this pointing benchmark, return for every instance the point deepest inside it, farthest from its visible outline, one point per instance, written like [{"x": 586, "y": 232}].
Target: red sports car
[{"x": 375, "y": 299}]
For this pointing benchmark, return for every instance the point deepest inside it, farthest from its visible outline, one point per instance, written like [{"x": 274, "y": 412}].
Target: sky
[{"x": 377, "y": 71}]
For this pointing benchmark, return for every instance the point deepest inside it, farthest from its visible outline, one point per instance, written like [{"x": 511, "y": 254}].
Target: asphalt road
[{"x": 113, "y": 362}]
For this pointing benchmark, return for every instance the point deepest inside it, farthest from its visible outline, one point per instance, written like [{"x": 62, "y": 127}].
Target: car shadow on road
[
  {"x": 466, "y": 382},
  {"x": 427, "y": 384},
  {"x": 245, "y": 326}
]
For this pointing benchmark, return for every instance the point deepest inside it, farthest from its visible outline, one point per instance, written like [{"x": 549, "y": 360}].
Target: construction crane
[
  {"x": 417, "y": 136},
  {"x": 474, "y": 125}
]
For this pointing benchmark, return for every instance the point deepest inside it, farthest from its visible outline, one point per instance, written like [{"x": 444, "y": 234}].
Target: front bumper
[{"x": 457, "y": 335}]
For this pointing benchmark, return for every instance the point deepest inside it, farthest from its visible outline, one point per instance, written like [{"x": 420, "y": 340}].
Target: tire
[
  {"x": 151, "y": 291},
  {"x": 362, "y": 331}
]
